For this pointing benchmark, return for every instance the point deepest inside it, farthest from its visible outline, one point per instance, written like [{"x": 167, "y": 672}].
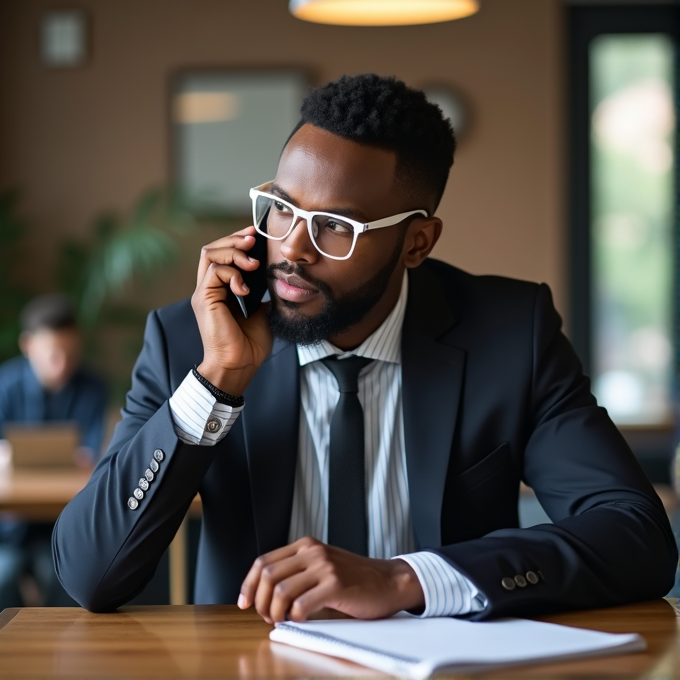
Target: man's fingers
[
  {"x": 224, "y": 256},
  {"x": 307, "y": 576},
  {"x": 230, "y": 239},
  {"x": 287, "y": 591},
  {"x": 280, "y": 564},
  {"x": 312, "y": 600},
  {"x": 231, "y": 249},
  {"x": 216, "y": 283},
  {"x": 251, "y": 582},
  {"x": 272, "y": 586},
  {"x": 220, "y": 277}
]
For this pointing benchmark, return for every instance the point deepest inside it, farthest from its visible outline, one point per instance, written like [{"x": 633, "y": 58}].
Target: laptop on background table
[{"x": 43, "y": 446}]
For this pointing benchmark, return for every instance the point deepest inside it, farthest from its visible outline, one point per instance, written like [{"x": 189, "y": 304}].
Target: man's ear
[
  {"x": 421, "y": 237},
  {"x": 24, "y": 342}
]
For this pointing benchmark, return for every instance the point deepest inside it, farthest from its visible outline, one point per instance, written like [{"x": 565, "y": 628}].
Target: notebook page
[{"x": 415, "y": 647}]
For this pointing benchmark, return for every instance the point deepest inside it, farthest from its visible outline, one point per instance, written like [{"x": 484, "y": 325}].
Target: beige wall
[{"x": 82, "y": 140}]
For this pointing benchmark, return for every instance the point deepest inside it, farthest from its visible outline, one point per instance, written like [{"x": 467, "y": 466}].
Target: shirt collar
[{"x": 384, "y": 344}]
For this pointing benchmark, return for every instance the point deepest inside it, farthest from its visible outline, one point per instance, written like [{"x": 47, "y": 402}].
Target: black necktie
[{"x": 347, "y": 524}]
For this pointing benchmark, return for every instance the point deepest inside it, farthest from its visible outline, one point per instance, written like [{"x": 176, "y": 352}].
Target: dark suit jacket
[{"x": 492, "y": 394}]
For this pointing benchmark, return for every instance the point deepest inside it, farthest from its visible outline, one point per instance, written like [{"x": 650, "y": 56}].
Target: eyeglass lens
[{"x": 332, "y": 236}]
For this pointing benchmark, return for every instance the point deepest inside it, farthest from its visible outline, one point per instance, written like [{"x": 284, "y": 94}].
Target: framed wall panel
[{"x": 228, "y": 130}]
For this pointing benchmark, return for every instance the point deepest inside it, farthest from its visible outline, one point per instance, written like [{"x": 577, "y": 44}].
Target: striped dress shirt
[{"x": 390, "y": 532}]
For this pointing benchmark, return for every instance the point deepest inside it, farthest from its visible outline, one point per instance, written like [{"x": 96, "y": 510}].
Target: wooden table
[
  {"x": 40, "y": 495},
  {"x": 200, "y": 642}
]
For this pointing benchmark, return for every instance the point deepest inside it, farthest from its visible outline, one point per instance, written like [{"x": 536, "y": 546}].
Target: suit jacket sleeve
[
  {"x": 105, "y": 552},
  {"x": 611, "y": 541}
]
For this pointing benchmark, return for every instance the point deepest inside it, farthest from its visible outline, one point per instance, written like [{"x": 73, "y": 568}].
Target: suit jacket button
[
  {"x": 149, "y": 475},
  {"x": 143, "y": 484},
  {"x": 213, "y": 425},
  {"x": 138, "y": 494},
  {"x": 532, "y": 578},
  {"x": 153, "y": 465},
  {"x": 133, "y": 503},
  {"x": 159, "y": 455},
  {"x": 508, "y": 583},
  {"x": 520, "y": 580}
]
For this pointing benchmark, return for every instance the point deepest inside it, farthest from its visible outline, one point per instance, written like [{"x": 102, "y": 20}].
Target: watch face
[{"x": 452, "y": 107}]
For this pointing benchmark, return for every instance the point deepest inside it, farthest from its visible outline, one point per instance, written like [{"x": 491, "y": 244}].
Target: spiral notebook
[{"x": 419, "y": 648}]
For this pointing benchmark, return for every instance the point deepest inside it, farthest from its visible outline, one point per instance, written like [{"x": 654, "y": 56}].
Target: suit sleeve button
[
  {"x": 520, "y": 580},
  {"x": 133, "y": 503},
  {"x": 508, "y": 583},
  {"x": 532, "y": 577},
  {"x": 153, "y": 465},
  {"x": 213, "y": 426},
  {"x": 159, "y": 455},
  {"x": 149, "y": 475},
  {"x": 138, "y": 494}
]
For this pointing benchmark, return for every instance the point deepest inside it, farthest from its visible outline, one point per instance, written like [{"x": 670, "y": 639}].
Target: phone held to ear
[{"x": 255, "y": 280}]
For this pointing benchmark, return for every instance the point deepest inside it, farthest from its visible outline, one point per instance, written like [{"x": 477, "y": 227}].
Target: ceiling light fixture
[{"x": 381, "y": 12}]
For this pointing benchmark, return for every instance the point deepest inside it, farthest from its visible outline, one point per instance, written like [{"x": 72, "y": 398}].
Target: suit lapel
[
  {"x": 271, "y": 425},
  {"x": 432, "y": 378}
]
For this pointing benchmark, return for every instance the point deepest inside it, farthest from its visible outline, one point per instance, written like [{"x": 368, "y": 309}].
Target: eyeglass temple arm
[{"x": 391, "y": 221}]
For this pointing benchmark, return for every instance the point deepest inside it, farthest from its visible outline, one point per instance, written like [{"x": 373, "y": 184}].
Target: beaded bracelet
[{"x": 222, "y": 397}]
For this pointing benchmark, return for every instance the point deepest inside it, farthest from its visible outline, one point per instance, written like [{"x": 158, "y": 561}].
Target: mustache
[{"x": 289, "y": 268}]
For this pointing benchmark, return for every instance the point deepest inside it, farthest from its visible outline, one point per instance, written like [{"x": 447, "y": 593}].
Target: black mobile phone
[{"x": 255, "y": 280}]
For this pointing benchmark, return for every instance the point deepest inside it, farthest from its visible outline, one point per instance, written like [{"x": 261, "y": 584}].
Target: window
[
  {"x": 632, "y": 129},
  {"x": 624, "y": 260}
]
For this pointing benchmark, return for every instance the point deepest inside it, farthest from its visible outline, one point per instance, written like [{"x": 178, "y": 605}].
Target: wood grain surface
[
  {"x": 40, "y": 494},
  {"x": 202, "y": 642}
]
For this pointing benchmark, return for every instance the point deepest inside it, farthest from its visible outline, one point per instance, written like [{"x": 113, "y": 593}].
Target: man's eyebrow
[
  {"x": 276, "y": 189},
  {"x": 345, "y": 212}
]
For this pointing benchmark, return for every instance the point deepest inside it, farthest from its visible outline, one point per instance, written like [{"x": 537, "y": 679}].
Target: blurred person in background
[{"x": 46, "y": 384}]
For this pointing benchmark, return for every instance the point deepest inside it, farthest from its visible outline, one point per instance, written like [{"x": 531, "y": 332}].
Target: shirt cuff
[
  {"x": 199, "y": 418},
  {"x": 447, "y": 592}
]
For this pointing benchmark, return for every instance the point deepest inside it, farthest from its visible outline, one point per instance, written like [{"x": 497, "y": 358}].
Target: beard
[{"x": 337, "y": 315}]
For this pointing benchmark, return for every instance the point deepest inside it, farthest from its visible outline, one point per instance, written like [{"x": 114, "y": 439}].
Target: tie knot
[{"x": 346, "y": 371}]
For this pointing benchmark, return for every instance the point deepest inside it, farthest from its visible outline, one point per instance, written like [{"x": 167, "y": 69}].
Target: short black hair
[
  {"x": 384, "y": 112},
  {"x": 48, "y": 312}
]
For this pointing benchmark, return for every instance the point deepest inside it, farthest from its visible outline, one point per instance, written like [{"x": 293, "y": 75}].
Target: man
[
  {"x": 46, "y": 384},
  {"x": 471, "y": 389}
]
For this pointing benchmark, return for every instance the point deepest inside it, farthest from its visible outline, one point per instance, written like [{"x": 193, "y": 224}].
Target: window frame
[{"x": 652, "y": 445}]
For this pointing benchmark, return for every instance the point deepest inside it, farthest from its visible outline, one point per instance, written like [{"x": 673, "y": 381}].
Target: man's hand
[
  {"x": 233, "y": 347},
  {"x": 299, "y": 579}
]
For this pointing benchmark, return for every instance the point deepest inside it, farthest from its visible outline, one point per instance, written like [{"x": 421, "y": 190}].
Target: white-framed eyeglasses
[{"x": 332, "y": 235}]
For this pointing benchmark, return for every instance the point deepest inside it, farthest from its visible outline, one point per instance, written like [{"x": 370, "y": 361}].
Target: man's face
[
  {"x": 315, "y": 297},
  {"x": 54, "y": 355}
]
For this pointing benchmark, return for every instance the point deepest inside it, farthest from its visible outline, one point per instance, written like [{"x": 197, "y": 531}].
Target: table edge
[{"x": 6, "y": 615}]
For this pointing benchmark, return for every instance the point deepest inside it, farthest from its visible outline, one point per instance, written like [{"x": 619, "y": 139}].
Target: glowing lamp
[{"x": 382, "y": 12}]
